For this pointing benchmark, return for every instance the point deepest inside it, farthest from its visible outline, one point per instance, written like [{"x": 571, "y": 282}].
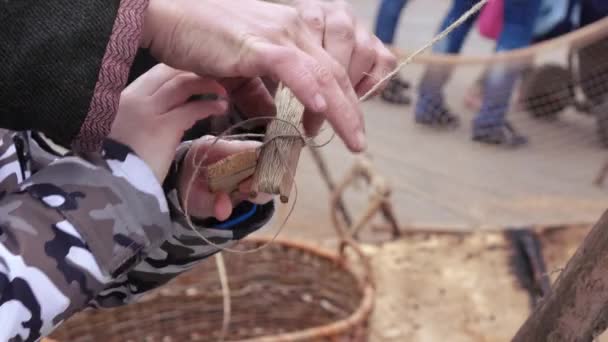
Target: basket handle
[
  {"x": 347, "y": 240},
  {"x": 362, "y": 168}
]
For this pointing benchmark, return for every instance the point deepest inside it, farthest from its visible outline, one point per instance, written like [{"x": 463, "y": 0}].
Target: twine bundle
[{"x": 279, "y": 157}]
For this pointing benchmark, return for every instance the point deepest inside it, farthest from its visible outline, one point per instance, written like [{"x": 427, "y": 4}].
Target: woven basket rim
[
  {"x": 359, "y": 316},
  {"x": 356, "y": 318}
]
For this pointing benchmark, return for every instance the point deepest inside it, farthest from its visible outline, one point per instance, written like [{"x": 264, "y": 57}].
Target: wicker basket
[{"x": 286, "y": 292}]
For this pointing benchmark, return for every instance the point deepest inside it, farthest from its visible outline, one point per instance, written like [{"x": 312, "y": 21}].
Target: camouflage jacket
[{"x": 93, "y": 230}]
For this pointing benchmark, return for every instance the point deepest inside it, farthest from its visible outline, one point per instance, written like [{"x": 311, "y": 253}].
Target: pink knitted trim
[{"x": 113, "y": 75}]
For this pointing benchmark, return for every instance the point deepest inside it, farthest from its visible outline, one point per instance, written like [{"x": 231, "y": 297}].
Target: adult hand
[
  {"x": 336, "y": 28},
  {"x": 198, "y": 199},
  {"x": 362, "y": 54},
  {"x": 251, "y": 38},
  {"x": 154, "y": 112}
]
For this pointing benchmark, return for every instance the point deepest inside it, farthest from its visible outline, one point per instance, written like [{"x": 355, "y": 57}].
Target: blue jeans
[
  {"x": 388, "y": 18},
  {"x": 518, "y": 30}
]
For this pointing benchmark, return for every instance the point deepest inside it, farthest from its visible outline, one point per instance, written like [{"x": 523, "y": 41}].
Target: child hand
[
  {"x": 154, "y": 113},
  {"x": 200, "y": 201}
]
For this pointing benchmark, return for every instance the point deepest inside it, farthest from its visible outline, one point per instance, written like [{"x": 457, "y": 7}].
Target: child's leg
[
  {"x": 520, "y": 16},
  {"x": 430, "y": 102},
  {"x": 388, "y": 19},
  {"x": 455, "y": 40}
]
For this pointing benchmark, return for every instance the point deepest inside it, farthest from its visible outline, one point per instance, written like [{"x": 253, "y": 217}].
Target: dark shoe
[
  {"x": 400, "y": 83},
  {"x": 504, "y": 135},
  {"x": 441, "y": 119},
  {"x": 394, "y": 92}
]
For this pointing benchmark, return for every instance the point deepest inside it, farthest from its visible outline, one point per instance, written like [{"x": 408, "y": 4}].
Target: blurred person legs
[
  {"x": 386, "y": 25},
  {"x": 430, "y": 107},
  {"x": 555, "y": 18},
  {"x": 388, "y": 19},
  {"x": 490, "y": 125}
]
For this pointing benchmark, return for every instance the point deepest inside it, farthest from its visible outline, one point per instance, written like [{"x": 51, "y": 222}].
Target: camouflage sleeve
[
  {"x": 12, "y": 168},
  {"x": 184, "y": 248},
  {"x": 30, "y": 152},
  {"x": 23, "y": 154},
  {"x": 69, "y": 230}
]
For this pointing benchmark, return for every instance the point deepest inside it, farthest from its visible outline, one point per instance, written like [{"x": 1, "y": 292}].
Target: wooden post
[{"x": 577, "y": 308}]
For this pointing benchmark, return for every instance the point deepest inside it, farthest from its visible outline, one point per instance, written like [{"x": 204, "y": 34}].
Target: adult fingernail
[
  {"x": 361, "y": 141},
  {"x": 319, "y": 103}
]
